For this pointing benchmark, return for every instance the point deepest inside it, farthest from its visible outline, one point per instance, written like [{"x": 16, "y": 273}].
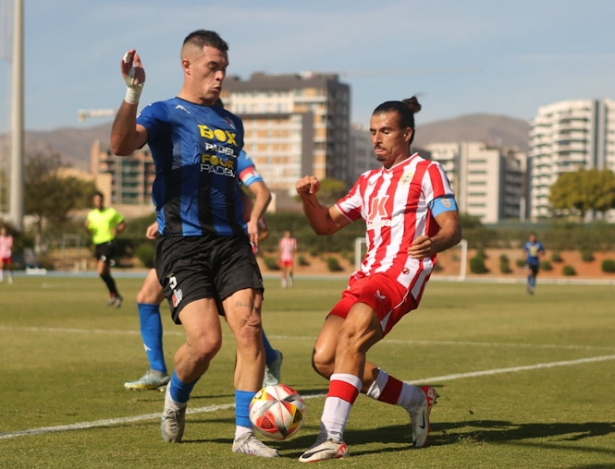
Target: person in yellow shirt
[{"x": 104, "y": 223}]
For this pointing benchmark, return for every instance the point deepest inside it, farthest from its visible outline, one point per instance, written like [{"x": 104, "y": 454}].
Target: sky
[{"x": 460, "y": 57}]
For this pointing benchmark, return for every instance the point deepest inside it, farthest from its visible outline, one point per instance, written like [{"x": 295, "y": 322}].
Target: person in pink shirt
[
  {"x": 6, "y": 256},
  {"x": 286, "y": 249}
]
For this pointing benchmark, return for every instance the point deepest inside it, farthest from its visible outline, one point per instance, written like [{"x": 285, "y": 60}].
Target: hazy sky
[{"x": 463, "y": 57}]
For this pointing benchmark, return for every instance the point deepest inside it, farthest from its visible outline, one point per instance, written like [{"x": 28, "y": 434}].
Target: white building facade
[
  {"x": 295, "y": 125},
  {"x": 567, "y": 136},
  {"x": 488, "y": 181}
]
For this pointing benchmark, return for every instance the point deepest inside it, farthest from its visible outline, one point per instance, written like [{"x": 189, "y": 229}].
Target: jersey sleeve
[
  {"x": 155, "y": 118},
  {"x": 117, "y": 217},
  {"x": 350, "y": 205},
  {"x": 246, "y": 170},
  {"x": 435, "y": 183}
]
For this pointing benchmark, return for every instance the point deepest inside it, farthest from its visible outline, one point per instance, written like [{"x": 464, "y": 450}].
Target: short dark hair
[
  {"x": 406, "y": 110},
  {"x": 99, "y": 194},
  {"x": 203, "y": 38}
]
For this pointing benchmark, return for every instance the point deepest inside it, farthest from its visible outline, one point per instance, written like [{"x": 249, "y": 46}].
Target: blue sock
[
  {"x": 151, "y": 333},
  {"x": 242, "y": 408},
  {"x": 180, "y": 391},
  {"x": 270, "y": 354},
  {"x": 533, "y": 282}
]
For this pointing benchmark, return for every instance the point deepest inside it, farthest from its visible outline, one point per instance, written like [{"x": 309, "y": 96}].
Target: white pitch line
[
  {"x": 513, "y": 369},
  {"x": 208, "y": 409},
  {"x": 310, "y": 338}
]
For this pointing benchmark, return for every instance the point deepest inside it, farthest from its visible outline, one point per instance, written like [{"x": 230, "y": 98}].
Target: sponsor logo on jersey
[
  {"x": 214, "y": 164},
  {"x": 219, "y": 135},
  {"x": 214, "y": 148}
]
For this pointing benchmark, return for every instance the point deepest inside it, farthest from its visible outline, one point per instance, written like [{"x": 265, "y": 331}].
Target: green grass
[{"x": 65, "y": 355}]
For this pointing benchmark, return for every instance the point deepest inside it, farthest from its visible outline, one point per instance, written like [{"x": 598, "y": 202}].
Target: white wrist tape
[{"x": 134, "y": 88}]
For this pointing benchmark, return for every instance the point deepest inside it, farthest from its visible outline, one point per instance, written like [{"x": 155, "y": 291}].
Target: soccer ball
[{"x": 277, "y": 411}]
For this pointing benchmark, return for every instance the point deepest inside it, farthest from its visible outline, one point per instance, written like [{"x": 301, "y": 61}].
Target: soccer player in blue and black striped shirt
[{"x": 204, "y": 259}]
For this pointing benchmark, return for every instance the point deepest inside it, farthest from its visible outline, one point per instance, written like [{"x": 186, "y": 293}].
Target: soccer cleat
[
  {"x": 249, "y": 444},
  {"x": 111, "y": 301},
  {"x": 419, "y": 417},
  {"x": 118, "y": 301},
  {"x": 272, "y": 371},
  {"x": 148, "y": 381},
  {"x": 322, "y": 450},
  {"x": 173, "y": 421}
]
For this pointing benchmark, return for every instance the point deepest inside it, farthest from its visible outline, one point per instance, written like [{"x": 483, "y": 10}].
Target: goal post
[{"x": 456, "y": 258}]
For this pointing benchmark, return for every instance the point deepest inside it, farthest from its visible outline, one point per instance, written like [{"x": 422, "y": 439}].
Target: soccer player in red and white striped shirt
[{"x": 410, "y": 214}]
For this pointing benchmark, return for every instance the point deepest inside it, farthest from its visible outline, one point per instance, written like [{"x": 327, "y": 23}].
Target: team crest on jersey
[{"x": 407, "y": 177}]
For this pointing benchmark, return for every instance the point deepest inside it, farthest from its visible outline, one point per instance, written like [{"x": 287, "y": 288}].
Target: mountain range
[{"x": 74, "y": 143}]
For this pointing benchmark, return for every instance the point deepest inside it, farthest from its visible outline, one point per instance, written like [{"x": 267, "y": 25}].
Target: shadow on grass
[{"x": 396, "y": 437}]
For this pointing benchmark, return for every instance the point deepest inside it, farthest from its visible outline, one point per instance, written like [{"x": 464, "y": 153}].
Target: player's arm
[
  {"x": 120, "y": 226},
  {"x": 152, "y": 231},
  {"x": 323, "y": 220},
  {"x": 126, "y": 134},
  {"x": 449, "y": 234},
  {"x": 261, "y": 201},
  {"x": 263, "y": 231}
]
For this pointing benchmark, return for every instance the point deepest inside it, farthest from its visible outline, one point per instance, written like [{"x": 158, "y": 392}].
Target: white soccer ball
[{"x": 277, "y": 412}]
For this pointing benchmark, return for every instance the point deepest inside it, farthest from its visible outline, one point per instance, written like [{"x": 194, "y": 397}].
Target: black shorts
[
  {"x": 105, "y": 251},
  {"x": 191, "y": 268},
  {"x": 534, "y": 268}
]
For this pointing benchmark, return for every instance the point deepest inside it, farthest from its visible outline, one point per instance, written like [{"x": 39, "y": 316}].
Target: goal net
[{"x": 451, "y": 264}]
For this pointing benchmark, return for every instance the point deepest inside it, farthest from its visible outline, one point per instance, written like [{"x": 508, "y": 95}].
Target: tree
[
  {"x": 584, "y": 190},
  {"x": 49, "y": 196}
]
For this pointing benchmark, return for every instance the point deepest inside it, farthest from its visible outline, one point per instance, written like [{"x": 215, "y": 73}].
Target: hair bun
[{"x": 413, "y": 104}]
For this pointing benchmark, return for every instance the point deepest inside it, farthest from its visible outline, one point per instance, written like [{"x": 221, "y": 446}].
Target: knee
[
  {"x": 150, "y": 295},
  {"x": 323, "y": 365},
  {"x": 205, "y": 349}
]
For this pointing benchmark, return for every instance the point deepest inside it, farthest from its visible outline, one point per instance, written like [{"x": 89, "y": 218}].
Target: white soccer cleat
[
  {"x": 252, "y": 446},
  {"x": 419, "y": 417},
  {"x": 173, "y": 421},
  {"x": 149, "y": 381},
  {"x": 272, "y": 372},
  {"x": 323, "y": 450}
]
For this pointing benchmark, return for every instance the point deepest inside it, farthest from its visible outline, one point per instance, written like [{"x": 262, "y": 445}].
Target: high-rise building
[
  {"x": 566, "y": 136},
  {"x": 125, "y": 180},
  {"x": 361, "y": 156},
  {"x": 294, "y": 125},
  {"x": 488, "y": 181}
]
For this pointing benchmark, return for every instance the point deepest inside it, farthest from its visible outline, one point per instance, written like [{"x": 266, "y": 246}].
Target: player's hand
[
  {"x": 422, "y": 246},
  {"x": 152, "y": 231},
  {"x": 134, "y": 76},
  {"x": 309, "y": 185},
  {"x": 253, "y": 232}
]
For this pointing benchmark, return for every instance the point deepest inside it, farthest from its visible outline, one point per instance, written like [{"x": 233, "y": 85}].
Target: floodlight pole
[{"x": 17, "y": 118}]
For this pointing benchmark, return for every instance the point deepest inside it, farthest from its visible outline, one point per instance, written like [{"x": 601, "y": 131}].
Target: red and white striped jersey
[
  {"x": 287, "y": 247},
  {"x": 394, "y": 204}
]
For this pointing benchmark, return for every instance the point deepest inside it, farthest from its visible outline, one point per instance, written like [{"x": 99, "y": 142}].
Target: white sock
[
  {"x": 336, "y": 411},
  {"x": 240, "y": 431}
]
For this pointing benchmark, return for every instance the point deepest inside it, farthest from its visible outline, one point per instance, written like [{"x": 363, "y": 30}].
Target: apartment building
[
  {"x": 488, "y": 181},
  {"x": 361, "y": 157},
  {"x": 566, "y": 136},
  {"x": 295, "y": 124},
  {"x": 124, "y": 180}
]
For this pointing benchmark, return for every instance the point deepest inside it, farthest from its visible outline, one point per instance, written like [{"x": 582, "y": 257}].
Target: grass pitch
[{"x": 525, "y": 381}]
